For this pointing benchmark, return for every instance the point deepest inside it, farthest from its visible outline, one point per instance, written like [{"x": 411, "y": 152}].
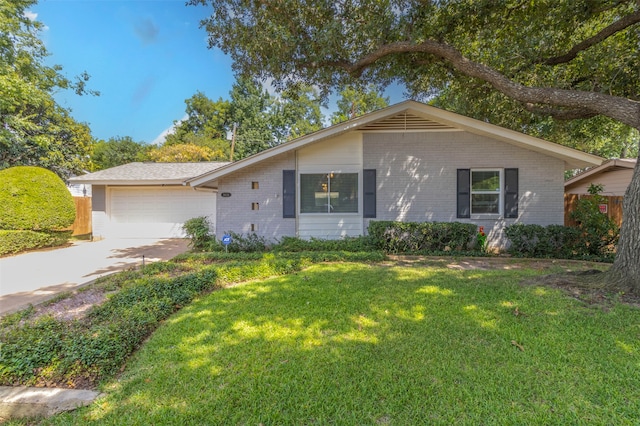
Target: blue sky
[{"x": 145, "y": 57}]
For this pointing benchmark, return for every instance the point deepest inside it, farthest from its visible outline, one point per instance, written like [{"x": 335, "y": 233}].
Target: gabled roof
[
  {"x": 148, "y": 173},
  {"x": 412, "y": 116},
  {"x": 607, "y": 166}
]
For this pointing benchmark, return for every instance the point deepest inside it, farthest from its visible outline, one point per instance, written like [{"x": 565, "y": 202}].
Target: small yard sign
[
  {"x": 603, "y": 208},
  {"x": 226, "y": 240}
]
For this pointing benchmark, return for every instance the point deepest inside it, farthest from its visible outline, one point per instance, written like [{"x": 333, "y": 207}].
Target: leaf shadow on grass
[{"x": 363, "y": 344}]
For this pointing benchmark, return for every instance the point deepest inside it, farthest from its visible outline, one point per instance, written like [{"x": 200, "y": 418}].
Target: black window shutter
[
  {"x": 369, "y": 193},
  {"x": 464, "y": 193},
  {"x": 288, "y": 193},
  {"x": 511, "y": 193}
]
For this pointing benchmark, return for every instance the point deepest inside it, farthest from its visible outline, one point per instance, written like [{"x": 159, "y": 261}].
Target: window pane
[
  {"x": 344, "y": 193},
  {"x": 488, "y": 180},
  {"x": 485, "y": 203},
  {"x": 314, "y": 193}
]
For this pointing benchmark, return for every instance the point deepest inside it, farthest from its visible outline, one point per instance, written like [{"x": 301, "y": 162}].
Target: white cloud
[
  {"x": 32, "y": 16},
  {"x": 159, "y": 140}
]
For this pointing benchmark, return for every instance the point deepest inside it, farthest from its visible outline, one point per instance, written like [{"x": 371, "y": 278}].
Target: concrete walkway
[{"x": 35, "y": 277}]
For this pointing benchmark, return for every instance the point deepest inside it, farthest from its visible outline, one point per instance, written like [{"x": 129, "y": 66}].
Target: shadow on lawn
[{"x": 325, "y": 346}]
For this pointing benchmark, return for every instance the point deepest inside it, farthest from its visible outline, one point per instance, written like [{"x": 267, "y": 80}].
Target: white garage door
[{"x": 156, "y": 212}]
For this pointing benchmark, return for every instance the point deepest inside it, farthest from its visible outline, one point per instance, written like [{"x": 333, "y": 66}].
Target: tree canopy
[
  {"x": 34, "y": 129},
  {"x": 355, "y": 101},
  {"x": 116, "y": 151},
  {"x": 564, "y": 59}
]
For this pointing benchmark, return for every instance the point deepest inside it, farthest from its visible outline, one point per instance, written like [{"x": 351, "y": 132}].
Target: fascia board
[
  {"x": 611, "y": 164},
  {"x": 114, "y": 182}
]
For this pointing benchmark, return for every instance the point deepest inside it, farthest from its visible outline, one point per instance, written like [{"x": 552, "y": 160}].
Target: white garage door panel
[{"x": 156, "y": 212}]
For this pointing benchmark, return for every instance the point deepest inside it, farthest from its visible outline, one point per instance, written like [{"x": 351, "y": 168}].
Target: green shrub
[
  {"x": 350, "y": 244},
  {"x": 422, "y": 237},
  {"x": 246, "y": 243},
  {"x": 12, "y": 242},
  {"x": 552, "y": 241},
  {"x": 198, "y": 230},
  {"x": 36, "y": 199}
]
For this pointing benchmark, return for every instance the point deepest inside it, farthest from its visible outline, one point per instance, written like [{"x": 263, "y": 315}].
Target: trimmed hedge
[
  {"x": 552, "y": 241},
  {"x": 35, "y": 199},
  {"x": 422, "y": 237},
  {"x": 16, "y": 241}
]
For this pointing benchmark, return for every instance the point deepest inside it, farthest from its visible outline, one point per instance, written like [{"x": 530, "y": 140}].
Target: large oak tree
[{"x": 566, "y": 59}]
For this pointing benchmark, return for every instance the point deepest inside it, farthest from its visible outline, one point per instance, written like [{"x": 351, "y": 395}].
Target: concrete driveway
[{"x": 34, "y": 277}]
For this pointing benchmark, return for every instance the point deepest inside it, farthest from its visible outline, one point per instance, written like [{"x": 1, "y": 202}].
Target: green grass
[{"x": 354, "y": 344}]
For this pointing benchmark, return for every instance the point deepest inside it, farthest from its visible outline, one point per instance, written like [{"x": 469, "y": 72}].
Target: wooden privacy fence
[
  {"x": 82, "y": 224},
  {"x": 612, "y": 207}
]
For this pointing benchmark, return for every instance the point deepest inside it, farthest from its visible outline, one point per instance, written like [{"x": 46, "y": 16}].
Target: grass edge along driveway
[{"x": 354, "y": 344}]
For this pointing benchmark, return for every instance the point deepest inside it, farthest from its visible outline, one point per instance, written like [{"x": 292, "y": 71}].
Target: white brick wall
[
  {"x": 416, "y": 177},
  {"x": 416, "y": 181},
  {"x": 234, "y": 213}
]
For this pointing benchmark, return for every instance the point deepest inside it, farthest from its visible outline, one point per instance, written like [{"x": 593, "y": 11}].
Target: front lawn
[{"x": 357, "y": 344}]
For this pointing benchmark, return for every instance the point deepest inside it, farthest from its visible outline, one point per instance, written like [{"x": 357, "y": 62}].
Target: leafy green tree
[
  {"x": 355, "y": 101},
  {"x": 116, "y": 151},
  {"x": 564, "y": 59},
  {"x": 206, "y": 125},
  {"x": 34, "y": 130},
  {"x": 249, "y": 110},
  {"x": 204, "y": 118},
  {"x": 296, "y": 112}
]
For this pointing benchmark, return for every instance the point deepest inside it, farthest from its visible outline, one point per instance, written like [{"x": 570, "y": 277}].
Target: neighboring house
[
  {"x": 407, "y": 162},
  {"x": 142, "y": 200},
  {"x": 613, "y": 175}
]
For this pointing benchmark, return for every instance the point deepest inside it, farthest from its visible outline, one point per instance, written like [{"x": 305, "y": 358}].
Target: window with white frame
[
  {"x": 329, "y": 193},
  {"x": 486, "y": 191}
]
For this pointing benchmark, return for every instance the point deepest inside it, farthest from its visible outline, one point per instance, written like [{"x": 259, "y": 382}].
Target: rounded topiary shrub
[{"x": 36, "y": 199}]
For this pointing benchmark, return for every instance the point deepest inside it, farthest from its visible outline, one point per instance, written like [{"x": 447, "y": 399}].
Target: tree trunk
[{"x": 625, "y": 271}]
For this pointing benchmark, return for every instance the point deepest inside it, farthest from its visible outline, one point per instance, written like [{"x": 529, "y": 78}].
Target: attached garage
[
  {"x": 156, "y": 212},
  {"x": 148, "y": 200}
]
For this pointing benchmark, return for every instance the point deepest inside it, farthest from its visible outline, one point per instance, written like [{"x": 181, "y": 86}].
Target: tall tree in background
[
  {"x": 117, "y": 151},
  {"x": 34, "y": 129},
  {"x": 355, "y": 101},
  {"x": 564, "y": 59},
  {"x": 296, "y": 112},
  {"x": 249, "y": 110},
  {"x": 206, "y": 125}
]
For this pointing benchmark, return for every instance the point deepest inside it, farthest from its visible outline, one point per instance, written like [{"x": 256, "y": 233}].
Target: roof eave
[
  {"x": 606, "y": 166},
  {"x": 129, "y": 182}
]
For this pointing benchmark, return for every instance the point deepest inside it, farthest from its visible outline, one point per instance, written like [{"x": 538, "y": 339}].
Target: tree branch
[
  {"x": 622, "y": 109},
  {"x": 606, "y": 32},
  {"x": 560, "y": 114}
]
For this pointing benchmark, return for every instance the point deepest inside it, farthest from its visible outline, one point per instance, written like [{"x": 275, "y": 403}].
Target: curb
[{"x": 20, "y": 402}]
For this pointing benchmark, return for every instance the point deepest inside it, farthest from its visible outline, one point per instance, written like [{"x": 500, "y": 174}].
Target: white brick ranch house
[{"x": 407, "y": 162}]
